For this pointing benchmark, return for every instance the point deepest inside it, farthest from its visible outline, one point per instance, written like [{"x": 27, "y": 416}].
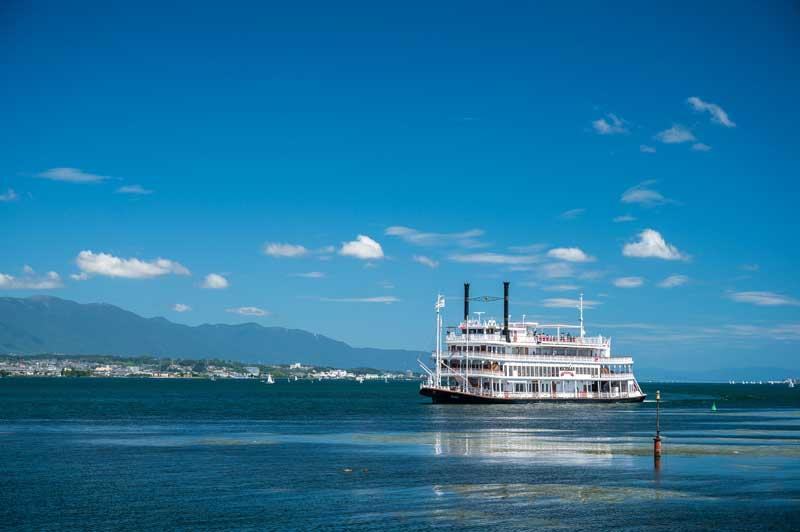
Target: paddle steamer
[{"x": 482, "y": 361}]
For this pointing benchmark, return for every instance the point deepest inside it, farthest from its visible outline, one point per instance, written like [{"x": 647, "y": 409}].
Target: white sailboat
[{"x": 270, "y": 380}]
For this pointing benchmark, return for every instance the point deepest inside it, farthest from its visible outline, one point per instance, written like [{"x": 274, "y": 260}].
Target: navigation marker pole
[{"x": 657, "y": 439}]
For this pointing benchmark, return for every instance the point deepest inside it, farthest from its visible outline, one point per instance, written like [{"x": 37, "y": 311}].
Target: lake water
[{"x": 165, "y": 454}]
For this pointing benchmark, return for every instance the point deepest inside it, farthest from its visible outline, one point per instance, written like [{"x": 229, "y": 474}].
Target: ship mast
[
  {"x": 439, "y": 307},
  {"x": 580, "y": 310},
  {"x": 465, "y": 359}
]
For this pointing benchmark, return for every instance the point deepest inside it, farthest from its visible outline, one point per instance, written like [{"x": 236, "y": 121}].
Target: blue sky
[{"x": 465, "y": 141}]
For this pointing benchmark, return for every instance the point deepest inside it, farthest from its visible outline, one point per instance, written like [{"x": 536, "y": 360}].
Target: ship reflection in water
[{"x": 531, "y": 446}]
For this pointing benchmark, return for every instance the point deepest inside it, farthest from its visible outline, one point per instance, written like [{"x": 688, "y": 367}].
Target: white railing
[
  {"x": 560, "y": 359},
  {"x": 500, "y": 375},
  {"x": 462, "y": 338},
  {"x": 539, "y": 339},
  {"x": 569, "y": 340}
]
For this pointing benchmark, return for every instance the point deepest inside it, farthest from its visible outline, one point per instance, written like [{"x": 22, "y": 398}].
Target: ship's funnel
[
  {"x": 506, "y": 333},
  {"x": 466, "y": 301}
]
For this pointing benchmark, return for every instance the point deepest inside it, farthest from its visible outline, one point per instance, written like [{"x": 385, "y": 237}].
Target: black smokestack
[
  {"x": 505, "y": 312},
  {"x": 466, "y": 301}
]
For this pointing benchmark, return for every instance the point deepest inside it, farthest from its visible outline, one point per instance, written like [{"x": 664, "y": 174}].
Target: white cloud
[
  {"x": 644, "y": 194},
  {"x": 624, "y": 218},
  {"x": 750, "y": 267},
  {"x": 309, "y": 275},
  {"x": 785, "y": 331},
  {"x": 677, "y": 134},
  {"x": 556, "y": 270},
  {"x": 363, "y": 247},
  {"x": 530, "y": 248},
  {"x": 674, "y": 280},
  {"x": 613, "y": 126},
  {"x": 563, "y": 302},
  {"x": 560, "y": 288},
  {"x": 628, "y": 282},
  {"x": 465, "y": 239},
  {"x": 83, "y": 276},
  {"x": 570, "y": 255},
  {"x": 426, "y": 261},
  {"x": 763, "y": 299},
  {"x": 248, "y": 311},
  {"x": 291, "y": 251},
  {"x": 111, "y": 266},
  {"x": 699, "y": 146},
  {"x": 652, "y": 245},
  {"x": 71, "y": 175},
  {"x": 380, "y": 299},
  {"x": 214, "y": 281},
  {"x": 571, "y": 214},
  {"x": 134, "y": 189},
  {"x": 10, "y": 195},
  {"x": 180, "y": 307},
  {"x": 644, "y": 148},
  {"x": 718, "y": 115},
  {"x": 30, "y": 281},
  {"x": 692, "y": 333},
  {"x": 494, "y": 258}
]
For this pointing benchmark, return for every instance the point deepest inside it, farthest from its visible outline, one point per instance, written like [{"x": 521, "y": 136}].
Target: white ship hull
[{"x": 443, "y": 395}]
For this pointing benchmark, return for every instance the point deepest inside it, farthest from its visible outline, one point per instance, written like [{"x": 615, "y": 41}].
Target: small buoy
[
  {"x": 714, "y": 406},
  {"x": 347, "y": 470}
]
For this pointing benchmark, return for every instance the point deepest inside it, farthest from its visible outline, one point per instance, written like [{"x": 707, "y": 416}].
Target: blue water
[{"x": 165, "y": 454}]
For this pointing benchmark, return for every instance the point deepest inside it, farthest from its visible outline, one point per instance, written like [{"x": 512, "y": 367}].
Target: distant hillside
[{"x": 49, "y": 324}]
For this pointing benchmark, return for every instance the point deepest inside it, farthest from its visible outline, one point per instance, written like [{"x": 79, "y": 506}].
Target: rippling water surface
[{"x": 149, "y": 454}]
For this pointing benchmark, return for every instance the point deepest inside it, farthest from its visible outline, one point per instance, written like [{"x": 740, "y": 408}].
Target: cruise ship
[{"x": 482, "y": 361}]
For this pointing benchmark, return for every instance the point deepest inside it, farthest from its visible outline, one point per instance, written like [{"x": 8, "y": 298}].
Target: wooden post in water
[{"x": 657, "y": 439}]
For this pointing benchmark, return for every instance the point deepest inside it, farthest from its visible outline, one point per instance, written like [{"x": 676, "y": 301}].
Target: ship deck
[{"x": 444, "y": 395}]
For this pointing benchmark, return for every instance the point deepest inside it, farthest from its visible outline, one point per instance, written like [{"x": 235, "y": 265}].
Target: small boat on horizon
[{"x": 269, "y": 380}]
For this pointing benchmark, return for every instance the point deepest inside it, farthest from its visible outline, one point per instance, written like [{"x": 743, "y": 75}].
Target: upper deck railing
[
  {"x": 531, "y": 339},
  {"x": 459, "y": 374}
]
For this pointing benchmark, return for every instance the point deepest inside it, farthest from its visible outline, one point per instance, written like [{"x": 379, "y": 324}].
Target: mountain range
[{"x": 44, "y": 324}]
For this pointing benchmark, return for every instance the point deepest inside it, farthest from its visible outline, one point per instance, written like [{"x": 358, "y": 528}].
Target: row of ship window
[
  {"x": 548, "y": 371},
  {"x": 512, "y": 350}
]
